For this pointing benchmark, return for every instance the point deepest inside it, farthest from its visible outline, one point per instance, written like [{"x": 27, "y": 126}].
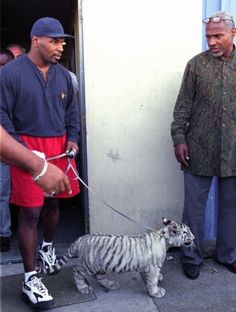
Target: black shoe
[
  {"x": 191, "y": 270},
  {"x": 230, "y": 266},
  {"x": 4, "y": 244}
]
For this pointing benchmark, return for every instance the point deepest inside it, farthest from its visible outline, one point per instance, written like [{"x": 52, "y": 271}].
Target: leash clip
[{"x": 71, "y": 153}]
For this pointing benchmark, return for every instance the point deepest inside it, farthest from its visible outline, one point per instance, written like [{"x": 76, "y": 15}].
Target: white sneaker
[
  {"x": 47, "y": 256},
  {"x": 36, "y": 294}
]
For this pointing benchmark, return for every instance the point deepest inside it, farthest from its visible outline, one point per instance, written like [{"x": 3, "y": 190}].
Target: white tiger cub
[{"x": 100, "y": 253}]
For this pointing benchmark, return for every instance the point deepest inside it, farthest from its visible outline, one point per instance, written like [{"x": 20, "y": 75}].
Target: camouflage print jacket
[{"x": 205, "y": 115}]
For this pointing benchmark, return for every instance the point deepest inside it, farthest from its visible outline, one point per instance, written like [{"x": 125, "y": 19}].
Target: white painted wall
[{"x": 135, "y": 53}]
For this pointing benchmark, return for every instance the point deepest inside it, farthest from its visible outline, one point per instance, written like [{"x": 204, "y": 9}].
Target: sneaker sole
[{"x": 40, "y": 305}]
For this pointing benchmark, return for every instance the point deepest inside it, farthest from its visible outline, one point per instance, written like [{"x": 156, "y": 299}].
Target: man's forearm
[{"x": 13, "y": 153}]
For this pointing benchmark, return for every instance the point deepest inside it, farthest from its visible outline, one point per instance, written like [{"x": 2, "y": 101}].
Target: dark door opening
[{"x": 17, "y": 18}]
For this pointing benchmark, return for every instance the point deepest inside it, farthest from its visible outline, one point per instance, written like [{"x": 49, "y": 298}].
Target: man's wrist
[{"x": 42, "y": 172}]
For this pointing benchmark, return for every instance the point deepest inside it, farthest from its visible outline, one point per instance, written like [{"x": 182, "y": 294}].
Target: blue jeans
[
  {"x": 196, "y": 193},
  {"x": 5, "y": 191}
]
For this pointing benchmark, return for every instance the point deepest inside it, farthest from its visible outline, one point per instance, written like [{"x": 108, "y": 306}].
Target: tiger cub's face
[{"x": 179, "y": 234}]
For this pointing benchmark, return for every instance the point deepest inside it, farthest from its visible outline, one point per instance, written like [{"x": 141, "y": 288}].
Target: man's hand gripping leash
[{"x": 70, "y": 155}]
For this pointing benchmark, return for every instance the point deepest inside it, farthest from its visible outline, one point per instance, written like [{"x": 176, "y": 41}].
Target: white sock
[
  {"x": 46, "y": 243},
  {"x": 28, "y": 274}
]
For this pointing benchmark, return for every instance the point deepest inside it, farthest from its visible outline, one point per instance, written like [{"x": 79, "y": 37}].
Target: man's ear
[
  {"x": 173, "y": 230},
  {"x": 35, "y": 41}
]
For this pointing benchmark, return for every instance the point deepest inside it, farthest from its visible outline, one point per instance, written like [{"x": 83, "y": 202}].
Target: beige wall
[{"x": 135, "y": 53}]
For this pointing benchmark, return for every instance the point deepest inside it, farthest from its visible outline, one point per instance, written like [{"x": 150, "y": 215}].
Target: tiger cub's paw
[
  {"x": 84, "y": 289},
  {"x": 109, "y": 284},
  {"x": 160, "y": 293}
]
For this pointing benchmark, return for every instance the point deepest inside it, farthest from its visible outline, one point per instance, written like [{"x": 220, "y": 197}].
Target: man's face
[
  {"x": 16, "y": 51},
  {"x": 220, "y": 38},
  {"x": 50, "y": 49}
]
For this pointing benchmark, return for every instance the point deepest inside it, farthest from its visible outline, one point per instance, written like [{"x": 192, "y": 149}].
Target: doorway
[{"x": 17, "y": 18}]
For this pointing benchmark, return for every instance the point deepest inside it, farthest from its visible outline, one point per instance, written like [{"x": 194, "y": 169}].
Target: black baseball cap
[{"x": 48, "y": 27}]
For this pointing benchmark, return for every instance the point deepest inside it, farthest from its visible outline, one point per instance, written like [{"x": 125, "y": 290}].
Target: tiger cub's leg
[
  {"x": 105, "y": 282},
  {"x": 80, "y": 283},
  {"x": 151, "y": 280}
]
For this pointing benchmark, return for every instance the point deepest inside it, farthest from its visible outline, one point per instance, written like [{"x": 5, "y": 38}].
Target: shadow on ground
[{"x": 213, "y": 291}]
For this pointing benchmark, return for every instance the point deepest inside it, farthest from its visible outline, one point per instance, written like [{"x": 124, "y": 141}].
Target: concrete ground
[{"x": 213, "y": 291}]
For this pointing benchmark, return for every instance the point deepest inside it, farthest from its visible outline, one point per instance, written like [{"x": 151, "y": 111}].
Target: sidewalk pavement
[{"x": 213, "y": 291}]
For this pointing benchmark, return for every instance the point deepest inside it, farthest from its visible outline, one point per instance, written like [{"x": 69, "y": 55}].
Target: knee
[
  {"x": 29, "y": 217},
  {"x": 51, "y": 206}
]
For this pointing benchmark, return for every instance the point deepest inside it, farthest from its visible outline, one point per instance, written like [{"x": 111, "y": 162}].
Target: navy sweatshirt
[{"x": 32, "y": 106}]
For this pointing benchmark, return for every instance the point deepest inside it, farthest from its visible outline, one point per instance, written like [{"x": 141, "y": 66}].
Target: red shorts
[{"x": 25, "y": 192}]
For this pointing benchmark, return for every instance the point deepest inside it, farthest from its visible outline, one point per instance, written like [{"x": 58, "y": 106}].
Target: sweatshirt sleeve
[
  {"x": 72, "y": 115},
  {"x": 7, "y": 100}
]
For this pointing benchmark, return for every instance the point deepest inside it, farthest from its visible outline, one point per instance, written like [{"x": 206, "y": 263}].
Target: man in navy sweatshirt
[{"x": 39, "y": 108}]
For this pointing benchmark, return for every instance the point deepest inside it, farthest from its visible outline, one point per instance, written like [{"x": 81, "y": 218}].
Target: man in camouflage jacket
[{"x": 204, "y": 137}]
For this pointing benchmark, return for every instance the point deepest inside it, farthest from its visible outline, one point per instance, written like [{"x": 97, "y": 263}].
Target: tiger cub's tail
[{"x": 60, "y": 263}]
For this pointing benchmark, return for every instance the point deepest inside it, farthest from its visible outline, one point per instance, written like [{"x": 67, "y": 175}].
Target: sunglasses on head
[{"x": 217, "y": 19}]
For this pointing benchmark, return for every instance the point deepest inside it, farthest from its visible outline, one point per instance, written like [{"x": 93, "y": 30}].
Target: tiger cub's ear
[
  {"x": 173, "y": 228},
  {"x": 165, "y": 221}
]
